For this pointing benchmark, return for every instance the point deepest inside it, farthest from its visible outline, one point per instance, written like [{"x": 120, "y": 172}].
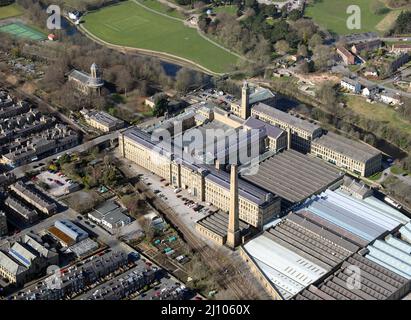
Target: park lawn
[
  {"x": 12, "y": 10},
  {"x": 378, "y": 112},
  {"x": 129, "y": 24},
  {"x": 230, "y": 9},
  {"x": 331, "y": 14}
]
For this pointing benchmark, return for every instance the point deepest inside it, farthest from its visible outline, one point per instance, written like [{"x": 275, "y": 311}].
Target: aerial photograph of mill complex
[{"x": 206, "y": 151}]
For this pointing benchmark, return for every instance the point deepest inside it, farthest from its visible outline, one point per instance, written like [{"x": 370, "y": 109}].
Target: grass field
[
  {"x": 155, "y": 5},
  {"x": 378, "y": 112},
  {"x": 10, "y": 11},
  {"x": 22, "y": 31},
  {"x": 331, "y": 14},
  {"x": 129, "y": 24},
  {"x": 230, "y": 9}
]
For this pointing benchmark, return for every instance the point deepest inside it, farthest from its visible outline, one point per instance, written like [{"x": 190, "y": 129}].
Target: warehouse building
[
  {"x": 307, "y": 253},
  {"x": 302, "y": 131},
  {"x": 357, "y": 157},
  {"x": 366, "y": 219},
  {"x": 376, "y": 283},
  {"x": 34, "y": 197},
  {"x": 294, "y": 176},
  {"x": 67, "y": 232},
  {"x": 392, "y": 253}
]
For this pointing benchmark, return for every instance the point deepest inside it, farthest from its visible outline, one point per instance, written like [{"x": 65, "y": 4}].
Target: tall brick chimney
[{"x": 233, "y": 232}]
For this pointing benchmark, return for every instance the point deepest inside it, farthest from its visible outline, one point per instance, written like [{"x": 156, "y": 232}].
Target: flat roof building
[
  {"x": 110, "y": 215},
  {"x": 357, "y": 157},
  {"x": 204, "y": 182}
]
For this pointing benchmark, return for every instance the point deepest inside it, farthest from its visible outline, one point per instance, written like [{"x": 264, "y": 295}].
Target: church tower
[
  {"x": 245, "y": 101},
  {"x": 94, "y": 72}
]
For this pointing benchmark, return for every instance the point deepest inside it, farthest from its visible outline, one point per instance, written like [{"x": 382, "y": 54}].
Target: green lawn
[
  {"x": 9, "y": 11},
  {"x": 155, "y": 5},
  {"x": 397, "y": 170},
  {"x": 230, "y": 9},
  {"x": 378, "y": 112},
  {"x": 131, "y": 25},
  {"x": 331, "y": 14}
]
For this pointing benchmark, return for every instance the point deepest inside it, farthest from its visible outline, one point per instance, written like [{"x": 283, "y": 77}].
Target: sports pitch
[
  {"x": 332, "y": 15},
  {"x": 129, "y": 24},
  {"x": 22, "y": 31}
]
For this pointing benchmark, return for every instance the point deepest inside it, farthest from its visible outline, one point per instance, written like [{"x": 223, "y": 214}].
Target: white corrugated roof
[{"x": 288, "y": 271}]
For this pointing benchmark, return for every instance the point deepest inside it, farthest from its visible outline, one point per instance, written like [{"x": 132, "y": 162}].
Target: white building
[
  {"x": 390, "y": 98},
  {"x": 351, "y": 85}
]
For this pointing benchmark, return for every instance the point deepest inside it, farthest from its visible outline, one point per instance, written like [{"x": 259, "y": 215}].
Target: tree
[
  {"x": 282, "y": 47},
  {"x": 315, "y": 41},
  {"x": 403, "y": 23},
  {"x": 322, "y": 57},
  {"x": 306, "y": 66},
  {"x": 160, "y": 105},
  {"x": 294, "y": 14},
  {"x": 185, "y": 79},
  {"x": 328, "y": 95},
  {"x": 302, "y": 50}
]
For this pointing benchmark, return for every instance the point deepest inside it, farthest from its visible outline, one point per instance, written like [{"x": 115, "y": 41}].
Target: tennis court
[{"x": 22, "y": 31}]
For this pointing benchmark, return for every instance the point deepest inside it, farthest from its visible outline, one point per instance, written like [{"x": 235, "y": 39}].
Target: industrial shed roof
[
  {"x": 218, "y": 223},
  {"x": 377, "y": 283},
  {"x": 294, "y": 176},
  {"x": 393, "y": 254},
  {"x": 288, "y": 271},
  {"x": 366, "y": 219}
]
